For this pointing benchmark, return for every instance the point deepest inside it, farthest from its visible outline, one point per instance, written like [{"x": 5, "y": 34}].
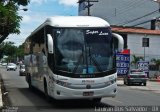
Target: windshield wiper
[
  {"x": 95, "y": 62},
  {"x": 79, "y": 60}
]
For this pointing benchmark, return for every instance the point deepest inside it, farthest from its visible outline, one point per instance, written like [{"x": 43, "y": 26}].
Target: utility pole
[{"x": 88, "y": 5}]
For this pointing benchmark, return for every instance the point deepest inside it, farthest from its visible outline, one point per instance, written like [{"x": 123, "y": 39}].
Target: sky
[{"x": 38, "y": 11}]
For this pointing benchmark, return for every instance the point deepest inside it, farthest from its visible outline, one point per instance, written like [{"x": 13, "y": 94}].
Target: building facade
[{"x": 134, "y": 41}]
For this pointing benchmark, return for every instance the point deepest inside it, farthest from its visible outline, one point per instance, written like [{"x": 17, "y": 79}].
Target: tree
[
  {"x": 20, "y": 51},
  {"x": 10, "y": 50},
  {"x": 9, "y": 18},
  {"x": 135, "y": 60},
  {"x": 157, "y": 62}
]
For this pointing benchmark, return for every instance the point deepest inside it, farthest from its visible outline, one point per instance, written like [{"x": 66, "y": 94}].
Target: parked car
[
  {"x": 4, "y": 64},
  {"x": 136, "y": 76},
  {"x": 22, "y": 70},
  {"x": 11, "y": 66}
]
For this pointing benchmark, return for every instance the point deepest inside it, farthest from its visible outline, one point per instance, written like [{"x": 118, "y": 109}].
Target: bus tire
[
  {"x": 29, "y": 82},
  {"x": 48, "y": 98},
  {"x": 145, "y": 84},
  {"x": 128, "y": 83},
  {"x": 124, "y": 82}
]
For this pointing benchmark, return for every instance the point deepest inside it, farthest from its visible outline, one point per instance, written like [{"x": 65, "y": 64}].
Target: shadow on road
[{"x": 38, "y": 100}]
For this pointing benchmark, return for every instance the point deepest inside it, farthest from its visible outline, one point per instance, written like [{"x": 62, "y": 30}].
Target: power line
[
  {"x": 127, "y": 8},
  {"x": 128, "y": 5},
  {"x": 120, "y": 29},
  {"x": 126, "y": 20},
  {"x": 133, "y": 20},
  {"x": 141, "y": 23}
]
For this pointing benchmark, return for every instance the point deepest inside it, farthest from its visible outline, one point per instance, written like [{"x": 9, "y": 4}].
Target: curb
[
  {"x": 154, "y": 80},
  {"x": 1, "y": 102}
]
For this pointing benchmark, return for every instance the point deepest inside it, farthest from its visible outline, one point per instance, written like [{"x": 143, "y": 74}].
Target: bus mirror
[
  {"x": 120, "y": 41},
  {"x": 50, "y": 43}
]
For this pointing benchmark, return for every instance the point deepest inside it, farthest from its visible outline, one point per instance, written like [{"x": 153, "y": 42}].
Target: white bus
[{"x": 73, "y": 58}]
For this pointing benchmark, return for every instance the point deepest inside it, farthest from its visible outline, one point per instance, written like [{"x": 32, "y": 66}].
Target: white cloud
[
  {"x": 29, "y": 23},
  {"x": 32, "y": 19},
  {"x": 17, "y": 39},
  {"x": 68, "y": 2},
  {"x": 26, "y": 19},
  {"x": 63, "y": 2},
  {"x": 38, "y": 1}
]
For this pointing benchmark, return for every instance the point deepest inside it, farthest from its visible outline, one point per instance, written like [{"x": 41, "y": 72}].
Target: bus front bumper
[{"x": 61, "y": 92}]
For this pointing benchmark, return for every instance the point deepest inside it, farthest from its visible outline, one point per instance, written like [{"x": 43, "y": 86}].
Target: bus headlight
[
  {"x": 62, "y": 83},
  {"x": 110, "y": 82}
]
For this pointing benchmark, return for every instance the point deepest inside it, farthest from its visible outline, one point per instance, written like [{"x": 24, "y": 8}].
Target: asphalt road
[{"x": 22, "y": 98}]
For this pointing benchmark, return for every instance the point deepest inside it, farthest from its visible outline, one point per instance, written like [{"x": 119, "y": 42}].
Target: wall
[{"x": 135, "y": 44}]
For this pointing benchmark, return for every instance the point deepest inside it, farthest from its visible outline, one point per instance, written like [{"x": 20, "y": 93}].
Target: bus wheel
[
  {"x": 124, "y": 82},
  {"x": 46, "y": 91},
  {"x": 29, "y": 82}
]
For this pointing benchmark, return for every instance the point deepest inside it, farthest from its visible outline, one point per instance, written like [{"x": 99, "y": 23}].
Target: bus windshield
[{"x": 83, "y": 51}]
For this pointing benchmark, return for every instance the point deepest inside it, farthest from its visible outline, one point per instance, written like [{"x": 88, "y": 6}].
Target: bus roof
[
  {"x": 73, "y": 21},
  {"x": 76, "y": 21}
]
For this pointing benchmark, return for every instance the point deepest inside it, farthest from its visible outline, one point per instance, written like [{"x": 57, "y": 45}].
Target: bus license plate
[{"x": 90, "y": 93}]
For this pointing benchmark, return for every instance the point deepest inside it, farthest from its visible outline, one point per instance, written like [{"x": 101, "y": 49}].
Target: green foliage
[
  {"x": 136, "y": 59},
  {"x": 10, "y": 50},
  {"x": 156, "y": 61},
  {"x": 20, "y": 51},
  {"x": 10, "y": 20}
]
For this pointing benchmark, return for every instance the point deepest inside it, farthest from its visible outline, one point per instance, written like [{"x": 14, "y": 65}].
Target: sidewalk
[
  {"x": 1, "y": 102},
  {"x": 152, "y": 85},
  {"x": 120, "y": 82}
]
